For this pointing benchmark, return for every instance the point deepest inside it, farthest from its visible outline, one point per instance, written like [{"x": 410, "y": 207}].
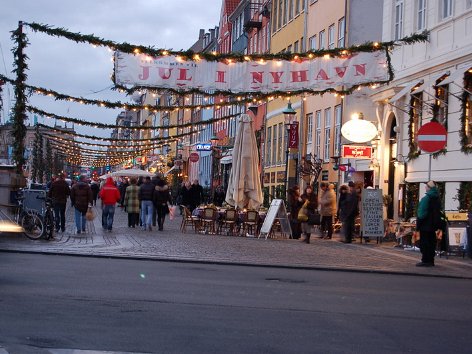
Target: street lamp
[{"x": 289, "y": 118}]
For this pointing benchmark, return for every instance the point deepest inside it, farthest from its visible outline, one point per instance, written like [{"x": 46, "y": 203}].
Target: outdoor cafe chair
[
  {"x": 208, "y": 220},
  {"x": 251, "y": 222},
  {"x": 189, "y": 219},
  {"x": 229, "y": 221}
]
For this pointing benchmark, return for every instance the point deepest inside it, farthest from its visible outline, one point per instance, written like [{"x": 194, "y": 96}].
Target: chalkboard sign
[
  {"x": 278, "y": 212},
  {"x": 372, "y": 213}
]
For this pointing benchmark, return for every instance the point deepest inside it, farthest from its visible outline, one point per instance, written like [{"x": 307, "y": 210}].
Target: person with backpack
[{"x": 429, "y": 219}]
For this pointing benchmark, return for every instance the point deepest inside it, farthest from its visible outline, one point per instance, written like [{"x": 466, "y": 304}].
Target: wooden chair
[
  {"x": 189, "y": 219},
  {"x": 208, "y": 220},
  {"x": 229, "y": 222},
  {"x": 251, "y": 223}
]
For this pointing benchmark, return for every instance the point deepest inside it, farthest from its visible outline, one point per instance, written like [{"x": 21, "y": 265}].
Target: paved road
[{"x": 171, "y": 244}]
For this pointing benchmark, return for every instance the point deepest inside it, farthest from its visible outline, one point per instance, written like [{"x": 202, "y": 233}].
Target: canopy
[
  {"x": 244, "y": 185},
  {"x": 130, "y": 173}
]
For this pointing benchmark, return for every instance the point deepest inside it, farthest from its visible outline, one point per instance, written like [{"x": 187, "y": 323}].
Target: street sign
[
  {"x": 203, "y": 147},
  {"x": 194, "y": 157},
  {"x": 432, "y": 137},
  {"x": 357, "y": 152}
]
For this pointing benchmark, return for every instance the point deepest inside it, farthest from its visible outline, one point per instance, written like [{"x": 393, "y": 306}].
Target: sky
[{"x": 82, "y": 70}]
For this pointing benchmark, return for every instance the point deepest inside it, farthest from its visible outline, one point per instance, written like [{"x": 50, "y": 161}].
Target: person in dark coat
[
  {"x": 59, "y": 193},
  {"x": 161, "y": 202},
  {"x": 348, "y": 210},
  {"x": 146, "y": 198},
  {"x": 81, "y": 196},
  {"x": 196, "y": 194},
  {"x": 186, "y": 196},
  {"x": 427, "y": 223},
  {"x": 95, "y": 189},
  {"x": 295, "y": 202},
  {"x": 310, "y": 204},
  {"x": 219, "y": 197}
]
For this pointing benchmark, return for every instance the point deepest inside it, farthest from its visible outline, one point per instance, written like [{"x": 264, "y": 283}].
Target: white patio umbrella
[
  {"x": 132, "y": 172},
  {"x": 244, "y": 185}
]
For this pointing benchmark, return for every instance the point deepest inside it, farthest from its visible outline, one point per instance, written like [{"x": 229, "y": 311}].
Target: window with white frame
[
  {"x": 327, "y": 134},
  {"x": 318, "y": 133},
  {"x": 313, "y": 42},
  {"x": 280, "y": 147},
  {"x": 274, "y": 145},
  {"x": 421, "y": 15},
  {"x": 341, "y": 30},
  {"x": 268, "y": 146},
  {"x": 279, "y": 21},
  {"x": 309, "y": 127},
  {"x": 302, "y": 44},
  {"x": 275, "y": 16},
  {"x": 445, "y": 9},
  {"x": 322, "y": 41},
  {"x": 338, "y": 113},
  {"x": 290, "y": 9},
  {"x": 285, "y": 14},
  {"x": 398, "y": 30},
  {"x": 331, "y": 36},
  {"x": 297, "y": 6},
  {"x": 296, "y": 47}
]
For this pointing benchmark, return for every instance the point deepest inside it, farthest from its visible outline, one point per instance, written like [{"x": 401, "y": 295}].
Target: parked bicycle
[{"x": 29, "y": 220}]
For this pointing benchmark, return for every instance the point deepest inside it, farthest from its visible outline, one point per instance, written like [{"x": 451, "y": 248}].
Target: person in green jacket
[{"x": 428, "y": 221}]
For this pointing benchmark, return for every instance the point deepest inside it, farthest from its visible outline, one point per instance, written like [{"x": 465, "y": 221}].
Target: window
[
  {"x": 341, "y": 30},
  {"x": 297, "y": 6},
  {"x": 338, "y": 113},
  {"x": 309, "y": 127},
  {"x": 468, "y": 4},
  {"x": 268, "y": 146},
  {"x": 322, "y": 36},
  {"x": 295, "y": 47},
  {"x": 445, "y": 9},
  {"x": 275, "y": 16},
  {"x": 274, "y": 145},
  {"x": 280, "y": 151},
  {"x": 416, "y": 116},
  {"x": 331, "y": 43},
  {"x": 440, "y": 104},
  {"x": 318, "y": 133},
  {"x": 289, "y": 48},
  {"x": 279, "y": 21},
  {"x": 421, "y": 15},
  {"x": 290, "y": 9},
  {"x": 302, "y": 44},
  {"x": 398, "y": 19},
  {"x": 285, "y": 14},
  {"x": 467, "y": 125},
  {"x": 313, "y": 42},
  {"x": 327, "y": 134}
]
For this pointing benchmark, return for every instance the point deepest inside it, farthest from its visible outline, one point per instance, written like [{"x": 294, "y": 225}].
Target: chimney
[{"x": 202, "y": 33}]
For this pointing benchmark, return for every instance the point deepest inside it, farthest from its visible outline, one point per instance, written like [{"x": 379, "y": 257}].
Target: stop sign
[
  {"x": 194, "y": 157},
  {"x": 432, "y": 137}
]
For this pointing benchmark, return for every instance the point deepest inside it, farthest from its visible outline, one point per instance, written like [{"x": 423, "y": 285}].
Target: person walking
[
  {"x": 146, "y": 198},
  {"x": 196, "y": 194},
  {"x": 327, "y": 209},
  {"x": 295, "y": 202},
  {"x": 110, "y": 195},
  {"x": 131, "y": 203},
  {"x": 310, "y": 204},
  {"x": 59, "y": 193},
  {"x": 95, "y": 187},
  {"x": 348, "y": 210},
  {"x": 186, "y": 196},
  {"x": 161, "y": 202},
  {"x": 427, "y": 222},
  {"x": 81, "y": 196}
]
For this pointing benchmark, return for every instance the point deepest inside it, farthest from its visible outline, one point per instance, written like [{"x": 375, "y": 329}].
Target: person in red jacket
[{"x": 109, "y": 195}]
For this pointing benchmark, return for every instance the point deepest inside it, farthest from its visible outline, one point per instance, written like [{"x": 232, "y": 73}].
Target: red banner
[{"x": 293, "y": 136}]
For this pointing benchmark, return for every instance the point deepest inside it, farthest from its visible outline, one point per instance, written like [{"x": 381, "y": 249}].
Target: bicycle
[
  {"x": 47, "y": 216},
  {"x": 29, "y": 220}
]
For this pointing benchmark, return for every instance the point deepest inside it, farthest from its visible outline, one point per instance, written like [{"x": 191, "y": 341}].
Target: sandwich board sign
[
  {"x": 372, "y": 213},
  {"x": 277, "y": 212}
]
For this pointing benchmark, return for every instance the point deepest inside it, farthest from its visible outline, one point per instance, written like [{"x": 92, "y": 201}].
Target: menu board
[
  {"x": 372, "y": 213},
  {"x": 276, "y": 211}
]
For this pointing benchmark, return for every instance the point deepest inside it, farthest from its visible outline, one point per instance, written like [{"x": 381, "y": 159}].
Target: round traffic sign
[
  {"x": 194, "y": 157},
  {"x": 432, "y": 137}
]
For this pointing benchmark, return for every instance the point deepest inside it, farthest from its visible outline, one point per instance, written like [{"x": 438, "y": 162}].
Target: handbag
[
  {"x": 314, "y": 217},
  {"x": 89, "y": 215}
]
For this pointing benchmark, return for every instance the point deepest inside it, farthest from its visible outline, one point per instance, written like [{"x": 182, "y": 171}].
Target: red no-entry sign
[
  {"x": 194, "y": 157},
  {"x": 432, "y": 137}
]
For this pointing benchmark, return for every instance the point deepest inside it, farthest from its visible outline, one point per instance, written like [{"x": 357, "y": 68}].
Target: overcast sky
[{"x": 81, "y": 70}]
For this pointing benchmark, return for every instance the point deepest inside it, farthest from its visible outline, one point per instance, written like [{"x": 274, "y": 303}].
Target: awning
[
  {"x": 431, "y": 81},
  {"x": 454, "y": 76},
  {"x": 226, "y": 160},
  {"x": 405, "y": 90}
]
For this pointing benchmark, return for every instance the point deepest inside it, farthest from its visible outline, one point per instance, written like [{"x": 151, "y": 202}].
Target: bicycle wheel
[
  {"x": 49, "y": 225},
  {"x": 33, "y": 225}
]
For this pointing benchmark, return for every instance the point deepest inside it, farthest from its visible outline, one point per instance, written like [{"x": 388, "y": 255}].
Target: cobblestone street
[{"x": 171, "y": 244}]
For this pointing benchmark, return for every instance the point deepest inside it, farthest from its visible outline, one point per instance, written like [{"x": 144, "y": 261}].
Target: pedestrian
[
  {"x": 327, "y": 209},
  {"x": 94, "y": 186},
  {"x": 310, "y": 204},
  {"x": 348, "y": 210},
  {"x": 146, "y": 198},
  {"x": 161, "y": 202},
  {"x": 219, "y": 197},
  {"x": 109, "y": 195},
  {"x": 154, "y": 180},
  {"x": 81, "y": 196},
  {"x": 59, "y": 192},
  {"x": 131, "y": 203},
  {"x": 196, "y": 194},
  {"x": 429, "y": 219},
  {"x": 186, "y": 195},
  {"x": 295, "y": 202},
  {"x": 124, "y": 184}
]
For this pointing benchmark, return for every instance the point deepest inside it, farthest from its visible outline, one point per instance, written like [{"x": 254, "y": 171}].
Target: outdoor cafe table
[{"x": 221, "y": 214}]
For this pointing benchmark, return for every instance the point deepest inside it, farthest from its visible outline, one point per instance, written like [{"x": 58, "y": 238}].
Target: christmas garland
[{"x": 466, "y": 147}]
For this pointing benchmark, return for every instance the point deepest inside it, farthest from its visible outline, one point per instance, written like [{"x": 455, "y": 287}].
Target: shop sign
[
  {"x": 293, "y": 136},
  {"x": 357, "y": 152},
  {"x": 203, "y": 147}
]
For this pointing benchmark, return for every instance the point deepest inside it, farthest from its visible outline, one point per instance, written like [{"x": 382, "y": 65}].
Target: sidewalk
[{"x": 171, "y": 244}]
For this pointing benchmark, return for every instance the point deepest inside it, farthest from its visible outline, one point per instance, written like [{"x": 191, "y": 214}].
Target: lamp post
[
  {"x": 214, "y": 141},
  {"x": 289, "y": 118}
]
